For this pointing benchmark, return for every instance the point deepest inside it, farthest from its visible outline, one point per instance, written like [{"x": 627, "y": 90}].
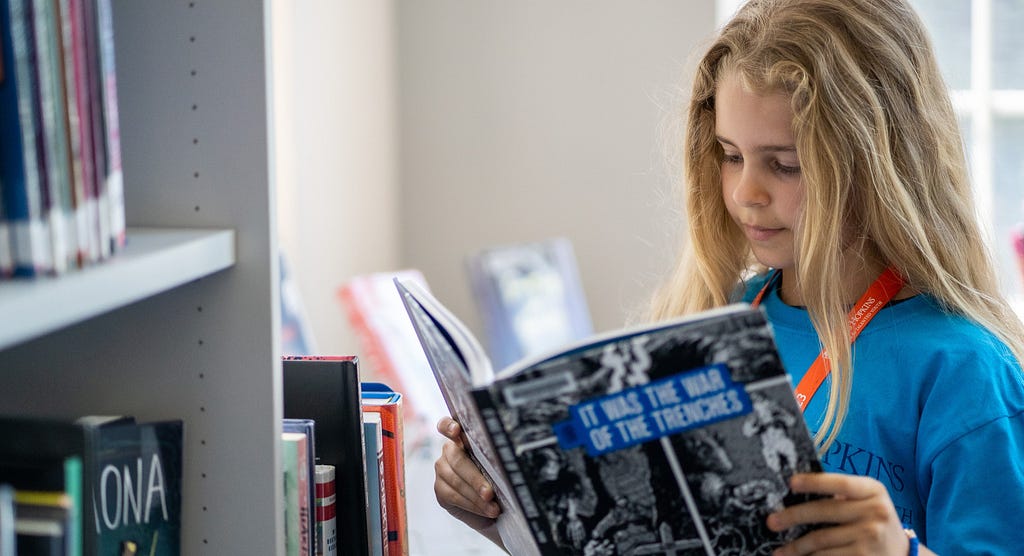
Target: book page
[{"x": 452, "y": 370}]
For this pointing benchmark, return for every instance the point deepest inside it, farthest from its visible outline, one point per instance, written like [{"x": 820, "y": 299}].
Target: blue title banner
[{"x": 643, "y": 413}]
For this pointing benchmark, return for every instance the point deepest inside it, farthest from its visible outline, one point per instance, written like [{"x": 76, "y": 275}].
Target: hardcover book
[
  {"x": 677, "y": 437},
  {"x": 136, "y": 489}
]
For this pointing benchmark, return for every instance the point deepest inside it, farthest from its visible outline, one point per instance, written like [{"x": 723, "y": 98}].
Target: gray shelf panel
[{"x": 154, "y": 260}]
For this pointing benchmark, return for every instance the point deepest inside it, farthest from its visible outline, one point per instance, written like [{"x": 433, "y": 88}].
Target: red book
[
  {"x": 380, "y": 398},
  {"x": 326, "y": 511}
]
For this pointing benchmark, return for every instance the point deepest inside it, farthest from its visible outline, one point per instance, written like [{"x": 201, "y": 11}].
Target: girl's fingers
[
  {"x": 826, "y": 510},
  {"x": 830, "y": 540},
  {"x": 847, "y": 487},
  {"x": 459, "y": 482},
  {"x": 450, "y": 429}
]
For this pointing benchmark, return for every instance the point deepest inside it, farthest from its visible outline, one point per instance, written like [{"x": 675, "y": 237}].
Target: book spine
[
  {"x": 394, "y": 458},
  {"x": 52, "y": 108},
  {"x": 292, "y": 495},
  {"x": 86, "y": 219},
  {"x": 7, "y": 536},
  {"x": 539, "y": 525},
  {"x": 326, "y": 511},
  {"x": 19, "y": 153},
  {"x": 111, "y": 119},
  {"x": 77, "y": 224},
  {"x": 304, "y": 487},
  {"x": 93, "y": 81}
]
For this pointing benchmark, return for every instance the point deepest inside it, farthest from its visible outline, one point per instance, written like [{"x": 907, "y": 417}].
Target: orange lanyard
[{"x": 879, "y": 293}]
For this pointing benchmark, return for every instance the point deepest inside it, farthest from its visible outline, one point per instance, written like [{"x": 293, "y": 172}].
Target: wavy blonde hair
[{"x": 881, "y": 155}]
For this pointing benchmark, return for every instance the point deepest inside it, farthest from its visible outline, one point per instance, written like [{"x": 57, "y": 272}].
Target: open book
[{"x": 678, "y": 437}]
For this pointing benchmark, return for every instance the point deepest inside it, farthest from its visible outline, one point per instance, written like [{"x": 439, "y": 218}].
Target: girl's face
[{"x": 761, "y": 183}]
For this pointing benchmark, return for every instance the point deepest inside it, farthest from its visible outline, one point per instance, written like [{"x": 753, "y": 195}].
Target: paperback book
[{"x": 677, "y": 437}]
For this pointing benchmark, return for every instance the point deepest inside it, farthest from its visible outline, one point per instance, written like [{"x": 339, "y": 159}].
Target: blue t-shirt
[{"x": 936, "y": 414}]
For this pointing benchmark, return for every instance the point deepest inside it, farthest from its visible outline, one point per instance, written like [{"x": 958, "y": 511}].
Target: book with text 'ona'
[
  {"x": 122, "y": 478},
  {"x": 136, "y": 489},
  {"x": 676, "y": 437}
]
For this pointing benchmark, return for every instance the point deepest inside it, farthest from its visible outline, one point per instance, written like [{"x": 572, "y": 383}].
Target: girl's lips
[{"x": 760, "y": 233}]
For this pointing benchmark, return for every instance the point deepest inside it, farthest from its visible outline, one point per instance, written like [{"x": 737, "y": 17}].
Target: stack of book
[
  {"x": 61, "y": 183},
  {"x": 339, "y": 427}
]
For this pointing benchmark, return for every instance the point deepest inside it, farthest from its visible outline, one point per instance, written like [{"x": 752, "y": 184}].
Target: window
[{"x": 978, "y": 45}]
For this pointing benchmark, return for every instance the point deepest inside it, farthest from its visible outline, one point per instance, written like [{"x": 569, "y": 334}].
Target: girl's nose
[{"x": 748, "y": 191}]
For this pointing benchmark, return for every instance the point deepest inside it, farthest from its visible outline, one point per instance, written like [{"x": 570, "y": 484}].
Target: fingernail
[
  {"x": 451, "y": 427},
  {"x": 493, "y": 510},
  {"x": 485, "y": 491}
]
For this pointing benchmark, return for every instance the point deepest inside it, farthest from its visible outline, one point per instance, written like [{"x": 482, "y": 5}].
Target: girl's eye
[
  {"x": 731, "y": 159},
  {"x": 784, "y": 169}
]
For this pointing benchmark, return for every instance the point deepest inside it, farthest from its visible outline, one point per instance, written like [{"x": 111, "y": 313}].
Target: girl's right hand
[{"x": 459, "y": 486}]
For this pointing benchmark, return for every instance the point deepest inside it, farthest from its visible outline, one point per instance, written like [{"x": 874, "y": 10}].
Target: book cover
[
  {"x": 377, "y": 520},
  {"x": 529, "y": 297},
  {"x": 390, "y": 351},
  {"x": 380, "y": 398},
  {"x": 677, "y": 436},
  {"x": 326, "y": 389},
  {"x": 326, "y": 511},
  {"x": 308, "y": 428},
  {"x": 136, "y": 487}
]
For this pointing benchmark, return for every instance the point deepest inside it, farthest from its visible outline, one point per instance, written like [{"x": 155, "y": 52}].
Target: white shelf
[{"x": 153, "y": 261}]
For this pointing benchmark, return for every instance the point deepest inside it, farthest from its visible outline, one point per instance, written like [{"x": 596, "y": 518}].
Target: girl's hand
[
  {"x": 459, "y": 486},
  {"x": 863, "y": 515}
]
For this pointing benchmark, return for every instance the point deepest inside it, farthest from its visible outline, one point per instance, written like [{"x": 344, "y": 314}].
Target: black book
[
  {"x": 677, "y": 437},
  {"x": 327, "y": 391}
]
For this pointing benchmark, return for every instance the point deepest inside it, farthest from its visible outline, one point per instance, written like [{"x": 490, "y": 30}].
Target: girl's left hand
[{"x": 863, "y": 515}]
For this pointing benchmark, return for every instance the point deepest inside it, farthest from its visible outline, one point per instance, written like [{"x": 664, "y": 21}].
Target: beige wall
[
  {"x": 336, "y": 150},
  {"x": 413, "y": 132},
  {"x": 522, "y": 120}
]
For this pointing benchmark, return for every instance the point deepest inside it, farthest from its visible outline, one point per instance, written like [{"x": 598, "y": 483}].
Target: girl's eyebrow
[{"x": 762, "y": 148}]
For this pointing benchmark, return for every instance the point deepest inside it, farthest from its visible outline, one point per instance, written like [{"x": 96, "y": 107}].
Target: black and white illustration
[{"x": 703, "y": 490}]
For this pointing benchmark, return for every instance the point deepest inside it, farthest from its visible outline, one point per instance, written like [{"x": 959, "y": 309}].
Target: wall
[
  {"x": 335, "y": 132},
  {"x": 412, "y": 133},
  {"x": 522, "y": 120}
]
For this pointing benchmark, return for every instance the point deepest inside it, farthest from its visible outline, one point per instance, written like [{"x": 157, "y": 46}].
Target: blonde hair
[{"x": 880, "y": 154}]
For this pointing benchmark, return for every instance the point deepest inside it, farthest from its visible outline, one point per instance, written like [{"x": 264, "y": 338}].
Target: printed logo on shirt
[{"x": 847, "y": 458}]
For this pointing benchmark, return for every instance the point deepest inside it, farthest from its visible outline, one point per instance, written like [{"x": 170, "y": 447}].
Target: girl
[{"x": 825, "y": 182}]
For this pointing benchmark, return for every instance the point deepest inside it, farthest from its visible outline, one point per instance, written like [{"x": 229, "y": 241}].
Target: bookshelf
[{"x": 181, "y": 324}]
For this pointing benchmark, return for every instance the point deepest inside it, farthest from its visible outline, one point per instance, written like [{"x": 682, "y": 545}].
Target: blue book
[
  {"x": 530, "y": 298},
  {"x": 20, "y": 153},
  {"x": 377, "y": 515}
]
